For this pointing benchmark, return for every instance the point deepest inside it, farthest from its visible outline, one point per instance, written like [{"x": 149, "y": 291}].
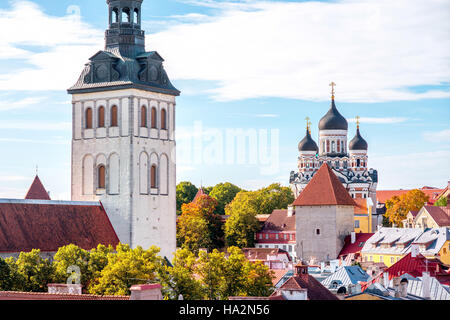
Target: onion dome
[
  {"x": 358, "y": 142},
  {"x": 333, "y": 120},
  {"x": 308, "y": 144}
]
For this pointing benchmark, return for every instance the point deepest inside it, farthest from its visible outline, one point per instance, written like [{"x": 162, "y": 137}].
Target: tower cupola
[{"x": 358, "y": 142}]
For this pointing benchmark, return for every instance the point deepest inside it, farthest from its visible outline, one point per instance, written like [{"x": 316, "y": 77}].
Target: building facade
[
  {"x": 349, "y": 160},
  {"x": 123, "y": 144}
]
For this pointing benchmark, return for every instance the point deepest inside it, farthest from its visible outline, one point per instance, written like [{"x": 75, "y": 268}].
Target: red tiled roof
[
  {"x": 384, "y": 195},
  {"x": 415, "y": 266},
  {"x": 441, "y": 215},
  {"x": 49, "y": 225},
  {"x": 37, "y": 191},
  {"x": 324, "y": 189},
  {"x": 278, "y": 274},
  {"x": 361, "y": 206},
  {"x": 279, "y": 221},
  {"x": 262, "y": 253},
  {"x": 200, "y": 193},
  {"x": 356, "y": 247},
  {"x": 315, "y": 290},
  {"x": 14, "y": 295}
]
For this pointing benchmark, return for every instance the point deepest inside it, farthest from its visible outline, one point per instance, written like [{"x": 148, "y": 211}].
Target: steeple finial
[
  {"x": 307, "y": 123},
  {"x": 332, "y": 85},
  {"x": 37, "y": 169},
  {"x": 357, "y": 122}
]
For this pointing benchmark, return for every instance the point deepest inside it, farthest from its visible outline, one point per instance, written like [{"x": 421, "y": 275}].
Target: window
[
  {"x": 333, "y": 146},
  {"x": 328, "y": 146},
  {"x": 356, "y": 223},
  {"x": 285, "y": 236},
  {"x": 342, "y": 147},
  {"x": 154, "y": 118},
  {"x": 144, "y": 117},
  {"x": 370, "y": 258},
  {"x": 126, "y": 16},
  {"x": 115, "y": 15},
  {"x": 338, "y": 147},
  {"x": 392, "y": 259},
  {"x": 153, "y": 177},
  {"x": 136, "y": 16},
  {"x": 381, "y": 258},
  {"x": 260, "y": 236},
  {"x": 163, "y": 119},
  {"x": 276, "y": 236},
  {"x": 89, "y": 118},
  {"x": 318, "y": 232},
  {"x": 101, "y": 177},
  {"x": 267, "y": 236},
  {"x": 114, "y": 119},
  {"x": 358, "y": 162},
  {"x": 101, "y": 117}
]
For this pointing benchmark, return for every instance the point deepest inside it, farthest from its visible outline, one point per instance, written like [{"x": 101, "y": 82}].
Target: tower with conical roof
[{"x": 123, "y": 144}]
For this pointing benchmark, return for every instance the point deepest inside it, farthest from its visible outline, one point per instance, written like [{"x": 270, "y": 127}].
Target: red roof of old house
[
  {"x": 262, "y": 254},
  {"x": 315, "y": 290},
  {"x": 200, "y": 193},
  {"x": 355, "y": 247},
  {"x": 49, "y": 225},
  {"x": 324, "y": 189},
  {"x": 14, "y": 295},
  {"x": 279, "y": 221},
  {"x": 415, "y": 266},
  {"x": 37, "y": 191},
  {"x": 432, "y": 193},
  {"x": 278, "y": 274},
  {"x": 441, "y": 215}
]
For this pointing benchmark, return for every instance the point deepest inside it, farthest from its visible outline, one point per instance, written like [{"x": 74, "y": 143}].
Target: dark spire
[
  {"x": 333, "y": 120},
  {"x": 358, "y": 142},
  {"x": 307, "y": 144}
]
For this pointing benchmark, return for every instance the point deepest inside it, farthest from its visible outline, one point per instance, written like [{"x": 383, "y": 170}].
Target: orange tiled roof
[
  {"x": 384, "y": 195},
  {"x": 324, "y": 189},
  {"x": 361, "y": 206}
]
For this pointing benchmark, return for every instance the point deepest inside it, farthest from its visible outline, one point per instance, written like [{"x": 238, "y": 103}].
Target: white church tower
[{"x": 123, "y": 144}]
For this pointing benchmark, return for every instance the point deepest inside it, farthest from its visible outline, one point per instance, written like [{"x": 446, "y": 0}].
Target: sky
[{"x": 250, "y": 68}]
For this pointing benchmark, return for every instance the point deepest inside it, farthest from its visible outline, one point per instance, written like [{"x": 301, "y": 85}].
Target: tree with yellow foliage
[{"x": 398, "y": 207}]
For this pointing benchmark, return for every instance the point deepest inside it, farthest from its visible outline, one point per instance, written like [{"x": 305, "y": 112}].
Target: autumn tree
[
  {"x": 5, "y": 276},
  {"x": 398, "y": 207},
  {"x": 442, "y": 202},
  {"x": 185, "y": 193},
  {"x": 224, "y": 193}
]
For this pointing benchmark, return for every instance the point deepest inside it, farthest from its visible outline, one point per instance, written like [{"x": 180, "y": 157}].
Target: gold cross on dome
[
  {"x": 357, "y": 121},
  {"x": 332, "y": 85},
  {"x": 307, "y": 122}
]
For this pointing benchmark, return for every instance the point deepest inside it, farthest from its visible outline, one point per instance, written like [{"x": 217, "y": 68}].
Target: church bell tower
[{"x": 123, "y": 144}]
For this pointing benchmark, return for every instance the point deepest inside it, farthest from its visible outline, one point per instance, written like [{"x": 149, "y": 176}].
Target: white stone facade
[
  {"x": 321, "y": 230},
  {"x": 141, "y": 215}
]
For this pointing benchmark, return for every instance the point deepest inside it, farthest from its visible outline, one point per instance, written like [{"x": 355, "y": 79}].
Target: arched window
[
  {"x": 115, "y": 15},
  {"x": 153, "y": 177},
  {"x": 163, "y": 119},
  {"x": 144, "y": 117},
  {"x": 342, "y": 146},
  {"x": 136, "y": 16},
  {"x": 126, "y": 15},
  {"x": 114, "y": 119},
  {"x": 101, "y": 177},
  {"x": 328, "y": 145},
  {"x": 333, "y": 146},
  {"x": 338, "y": 147},
  {"x": 88, "y": 118},
  {"x": 358, "y": 162},
  {"x": 154, "y": 118},
  {"x": 101, "y": 117}
]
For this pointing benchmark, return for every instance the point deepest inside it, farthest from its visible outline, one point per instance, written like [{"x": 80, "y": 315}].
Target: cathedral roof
[
  {"x": 358, "y": 142},
  {"x": 333, "y": 120},
  {"x": 324, "y": 189},
  {"x": 307, "y": 144},
  {"x": 49, "y": 225},
  {"x": 37, "y": 191}
]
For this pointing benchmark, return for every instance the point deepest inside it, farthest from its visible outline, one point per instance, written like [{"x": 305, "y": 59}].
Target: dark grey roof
[
  {"x": 358, "y": 142},
  {"x": 307, "y": 144},
  {"x": 333, "y": 120}
]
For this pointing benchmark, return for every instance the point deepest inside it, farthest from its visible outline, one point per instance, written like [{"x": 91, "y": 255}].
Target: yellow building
[
  {"x": 388, "y": 245},
  {"x": 363, "y": 216}
]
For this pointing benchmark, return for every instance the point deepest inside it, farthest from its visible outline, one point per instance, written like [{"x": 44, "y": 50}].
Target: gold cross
[
  {"x": 332, "y": 85},
  {"x": 357, "y": 121},
  {"x": 307, "y": 122}
]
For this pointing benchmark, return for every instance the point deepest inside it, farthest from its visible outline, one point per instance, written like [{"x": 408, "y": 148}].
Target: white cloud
[
  {"x": 388, "y": 120},
  {"x": 412, "y": 170},
  {"x": 36, "y": 125},
  {"x": 7, "y": 105},
  {"x": 373, "y": 49},
  {"x": 438, "y": 136}
]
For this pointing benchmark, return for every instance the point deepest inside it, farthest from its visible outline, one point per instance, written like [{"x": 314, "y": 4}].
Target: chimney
[
  {"x": 146, "y": 292},
  {"x": 414, "y": 250},
  {"x": 396, "y": 284},
  {"x": 62, "y": 288},
  {"x": 426, "y": 285},
  {"x": 353, "y": 237},
  {"x": 290, "y": 211}
]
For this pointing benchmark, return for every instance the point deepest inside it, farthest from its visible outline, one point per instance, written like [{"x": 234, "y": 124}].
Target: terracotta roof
[
  {"x": 14, "y": 295},
  {"x": 279, "y": 221},
  {"x": 37, "y": 191},
  {"x": 324, "y": 189},
  {"x": 384, "y": 195},
  {"x": 441, "y": 215},
  {"x": 278, "y": 274},
  {"x": 356, "y": 247},
  {"x": 315, "y": 290},
  {"x": 200, "y": 193},
  {"x": 262, "y": 253},
  {"x": 415, "y": 266},
  {"x": 361, "y": 206},
  {"x": 49, "y": 225}
]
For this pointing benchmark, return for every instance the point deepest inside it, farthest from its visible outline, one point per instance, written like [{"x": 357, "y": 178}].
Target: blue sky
[{"x": 259, "y": 66}]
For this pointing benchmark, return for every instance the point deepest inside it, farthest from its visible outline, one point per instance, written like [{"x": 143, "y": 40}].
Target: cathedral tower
[{"x": 123, "y": 144}]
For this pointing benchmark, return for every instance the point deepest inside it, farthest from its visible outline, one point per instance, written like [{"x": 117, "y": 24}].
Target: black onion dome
[
  {"x": 358, "y": 142},
  {"x": 308, "y": 144},
  {"x": 333, "y": 120}
]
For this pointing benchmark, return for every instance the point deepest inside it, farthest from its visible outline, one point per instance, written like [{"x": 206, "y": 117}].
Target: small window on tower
[
  {"x": 153, "y": 177},
  {"x": 154, "y": 118},
  {"x": 318, "y": 232},
  {"x": 115, "y": 15},
  {"x": 114, "y": 119},
  {"x": 144, "y": 117},
  {"x": 101, "y": 177},
  {"x": 126, "y": 16},
  {"x": 136, "y": 16},
  {"x": 163, "y": 119},
  {"x": 88, "y": 118},
  {"x": 101, "y": 117}
]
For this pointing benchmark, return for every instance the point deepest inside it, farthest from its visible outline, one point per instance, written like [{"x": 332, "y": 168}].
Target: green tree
[
  {"x": 6, "y": 283},
  {"x": 71, "y": 255},
  {"x": 398, "y": 207},
  {"x": 127, "y": 267},
  {"x": 273, "y": 197},
  {"x": 30, "y": 272},
  {"x": 442, "y": 202},
  {"x": 193, "y": 232},
  {"x": 185, "y": 193},
  {"x": 224, "y": 193},
  {"x": 179, "y": 278}
]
